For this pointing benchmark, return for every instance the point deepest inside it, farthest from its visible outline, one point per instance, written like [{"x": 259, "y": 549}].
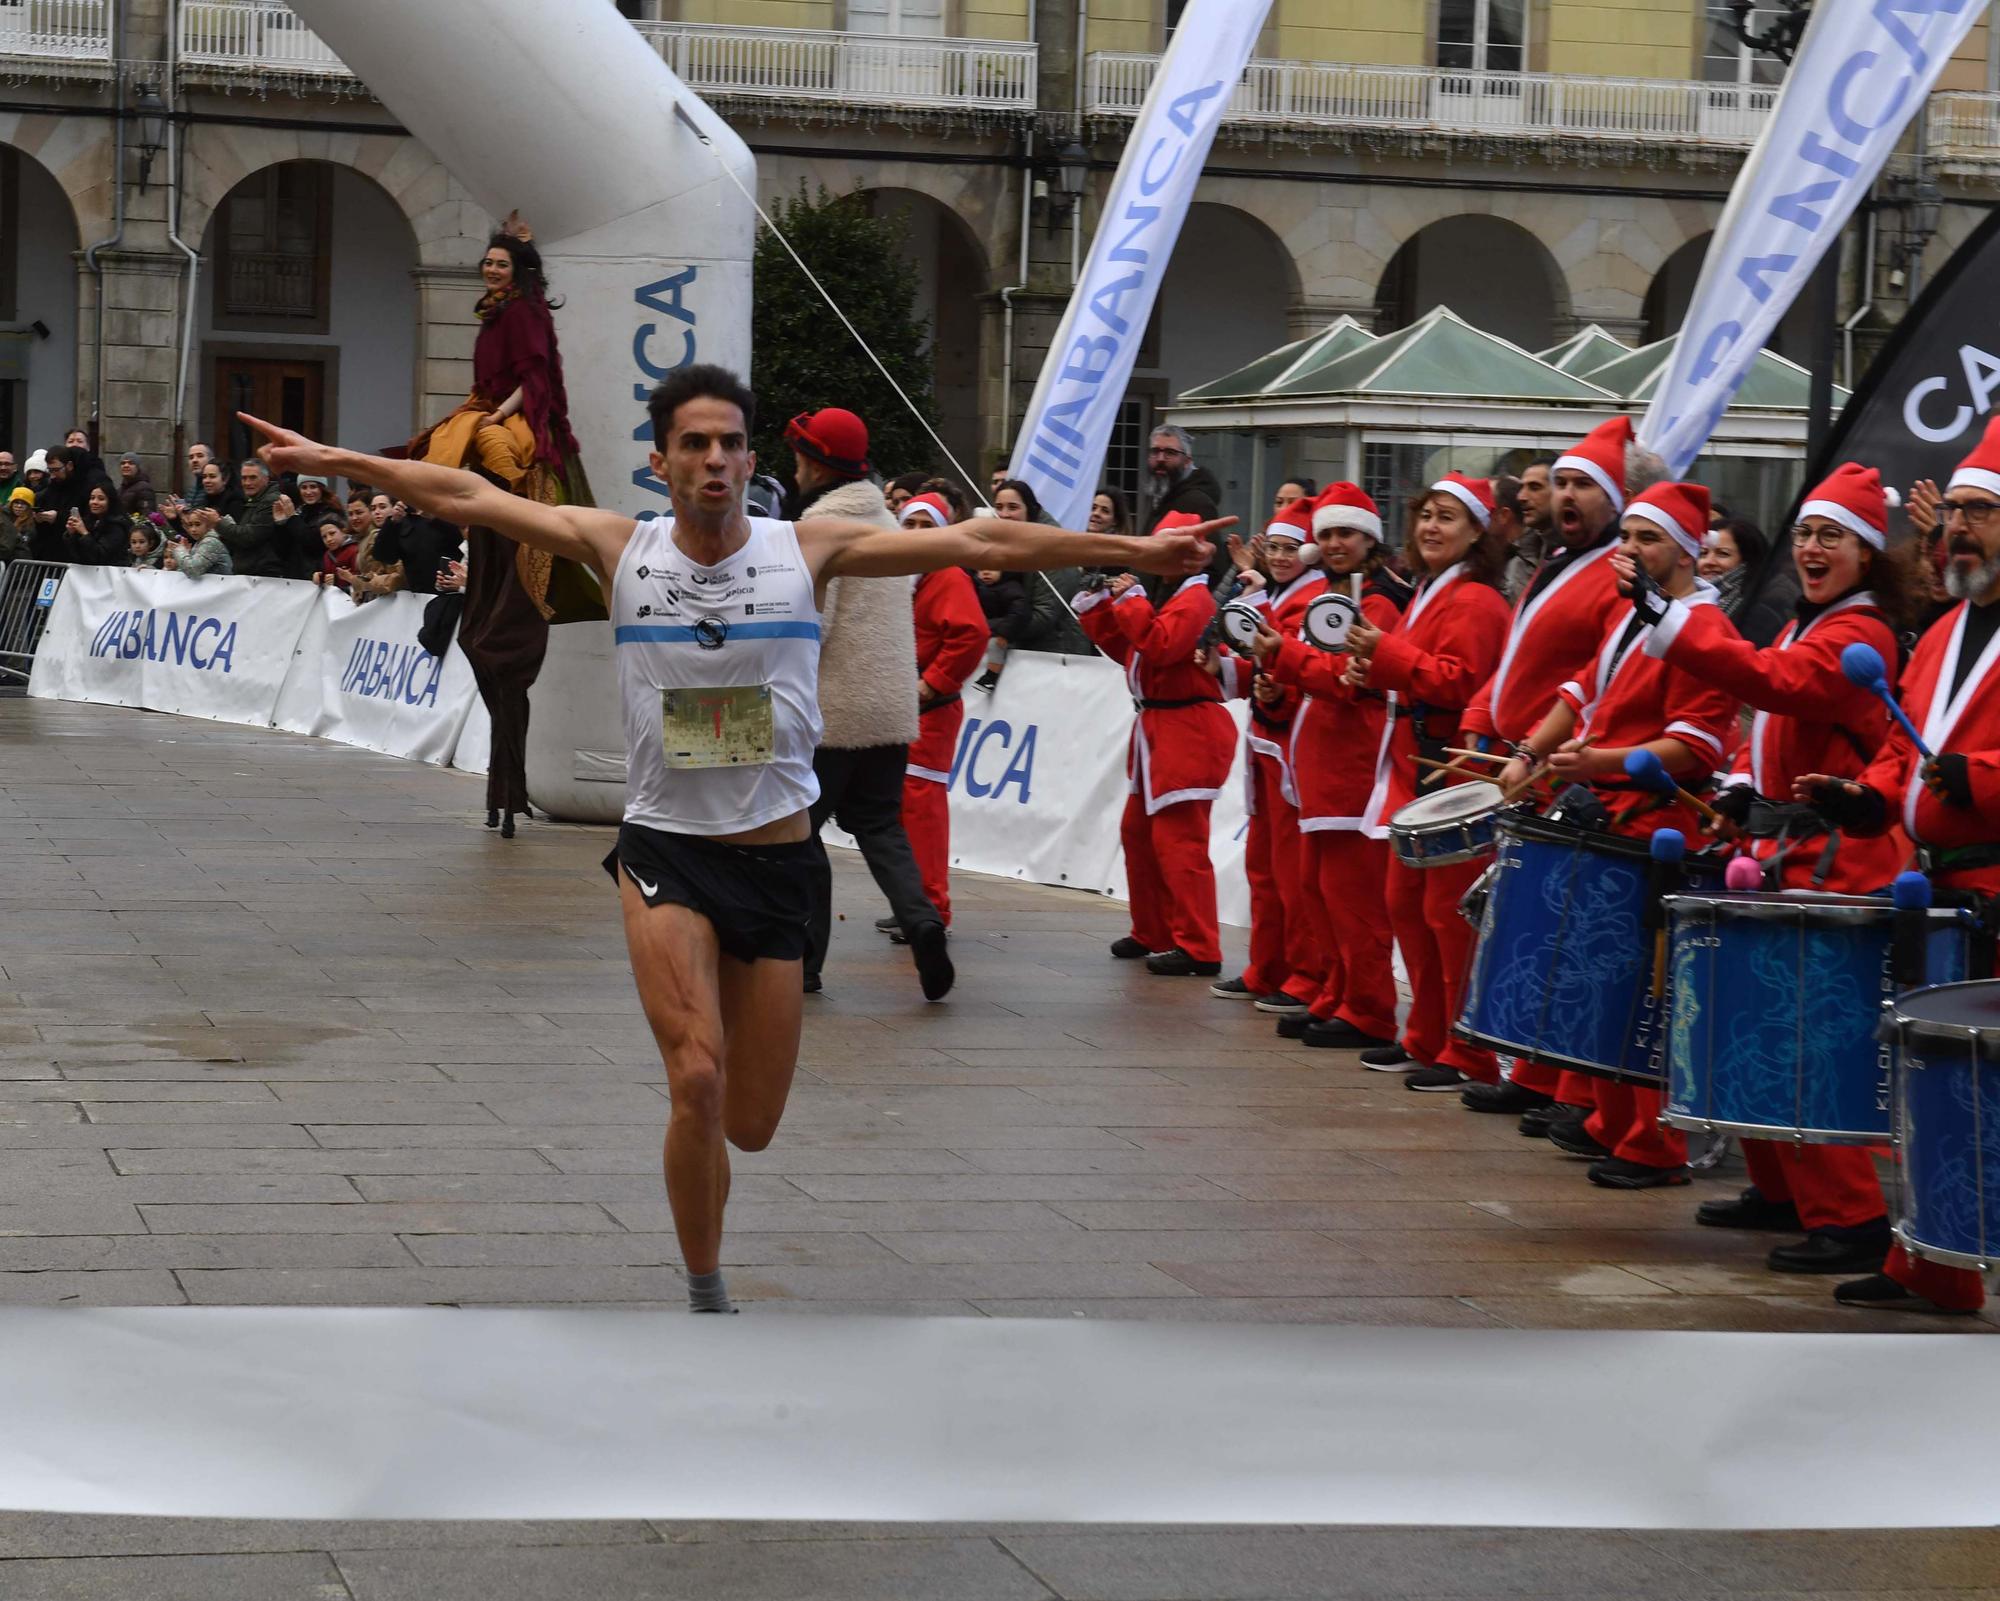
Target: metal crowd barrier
[{"x": 27, "y": 591}]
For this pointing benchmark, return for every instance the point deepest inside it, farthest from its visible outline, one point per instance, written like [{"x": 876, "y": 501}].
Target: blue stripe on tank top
[{"x": 681, "y": 634}]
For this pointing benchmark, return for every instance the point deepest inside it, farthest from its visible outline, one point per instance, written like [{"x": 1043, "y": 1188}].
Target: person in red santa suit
[
  {"x": 1335, "y": 735},
  {"x": 1809, "y": 719},
  {"x": 1181, "y": 748},
  {"x": 1287, "y": 936},
  {"x": 1558, "y": 622},
  {"x": 1949, "y": 804},
  {"x": 951, "y": 643},
  {"x": 1630, "y": 700},
  {"x": 1430, "y": 664}
]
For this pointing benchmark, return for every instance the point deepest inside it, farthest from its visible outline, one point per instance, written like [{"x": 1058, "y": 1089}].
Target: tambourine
[
  {"x": 1328, "y": 620},
  {"x": 1240, "y": 623}
]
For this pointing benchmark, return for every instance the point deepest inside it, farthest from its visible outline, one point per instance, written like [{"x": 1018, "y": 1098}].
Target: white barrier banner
[
  {"x": 1861, "y": 73},
  {"x": 1060, "y": 449},
  {"x": 362, "y": 678},
  {"x": 1038, "y": 783},
  {"x": 218, "y": 648}
]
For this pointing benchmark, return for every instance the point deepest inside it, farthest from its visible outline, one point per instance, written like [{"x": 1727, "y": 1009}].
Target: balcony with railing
[
  {"x": 59, "y": 37},
  {"x": 1338, "y": 97},
  {"x": 815, "y": 66},
  {"x": 257, "y": 36},
  {"x": 1964, "y": 128}
]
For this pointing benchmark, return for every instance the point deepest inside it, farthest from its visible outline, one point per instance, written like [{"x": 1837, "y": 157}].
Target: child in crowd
[{"x": 342, "y": 551}]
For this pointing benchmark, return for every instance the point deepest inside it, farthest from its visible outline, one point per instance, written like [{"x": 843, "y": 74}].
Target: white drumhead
[
  {"x": 1240, "y": 622},
  {"x": 1451, "y": 805},
  {"x": 1328, "y": 620}
]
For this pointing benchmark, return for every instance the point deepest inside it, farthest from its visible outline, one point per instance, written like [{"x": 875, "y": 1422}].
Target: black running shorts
[{"x": 758, "y": 898}]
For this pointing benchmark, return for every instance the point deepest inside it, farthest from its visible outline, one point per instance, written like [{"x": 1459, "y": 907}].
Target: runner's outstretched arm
[
  {"x": 580, "y": 533},
  {"x": 836, "y": 546}
]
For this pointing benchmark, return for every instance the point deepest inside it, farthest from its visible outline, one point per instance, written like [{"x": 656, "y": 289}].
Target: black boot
[
  {"x": 1750, "y": 1210},
  {"x": 492, "y": 817},
  {"x": 1862, "y": 1249},
  {"x": 506, "y": 825}
]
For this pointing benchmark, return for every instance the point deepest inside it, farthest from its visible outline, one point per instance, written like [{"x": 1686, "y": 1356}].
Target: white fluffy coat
[{"x": 868, "y": 640}]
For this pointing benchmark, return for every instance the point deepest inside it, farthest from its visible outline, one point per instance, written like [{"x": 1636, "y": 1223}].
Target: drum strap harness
[
  {"x": 1174, "y": 705},
  {"x": 1792, "y": 825}
]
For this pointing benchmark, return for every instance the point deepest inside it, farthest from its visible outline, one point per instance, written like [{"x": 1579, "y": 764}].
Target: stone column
[{"x": 446, "y": 331}]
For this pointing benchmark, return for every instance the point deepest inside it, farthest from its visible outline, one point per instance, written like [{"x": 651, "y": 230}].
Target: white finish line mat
[{"x": 610, "y": 1413}]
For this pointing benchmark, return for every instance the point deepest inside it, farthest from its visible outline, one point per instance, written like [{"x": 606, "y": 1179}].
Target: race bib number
[{"x": 720, "y": 726}]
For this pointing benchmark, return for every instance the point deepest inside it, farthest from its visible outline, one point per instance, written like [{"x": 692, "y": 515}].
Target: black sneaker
[
  {"x": 1506, "y": 1097},
  {"x": 1390, "y": 1058},
  {"x": 813, "y": 985},
  {"x": 1337, "y": 1034},
  {"x": 1534, "y": 1124},
  {"x": 887, "y": 925},
  {"x": 1434, "y": 1080},
  {"x": 1880, "y": 1293},
  {"x": 1569, "y": 1136},
  {"x": 1615, "y": 1173},
  {"x": 1279, "y": 1004},
  {"x": 987, "y": 682},
  {"x": 1861, "y": 1249},
  {"x": 1232, "y": 989},
  {"x": 1176, "y": 963},
  {"x": 1750, "y": 1210},
  {"x": 1294, "y": 1027},
  {"x": 1128, "y": 949},
  {"x": 934, "y": 969}
]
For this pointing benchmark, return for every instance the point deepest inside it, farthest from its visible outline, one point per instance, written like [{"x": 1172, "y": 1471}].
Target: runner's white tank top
[{"x": 685, "y": 633}]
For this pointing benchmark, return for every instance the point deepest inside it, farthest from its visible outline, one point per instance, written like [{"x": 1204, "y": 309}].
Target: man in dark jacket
[
  {"x": 422, "y": 544},
  {"x": 1180, "y": 485},
  {"x": 261, "y": 545}
]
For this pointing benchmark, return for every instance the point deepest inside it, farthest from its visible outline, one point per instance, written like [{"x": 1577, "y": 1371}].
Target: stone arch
[
  {"x": 325, "y": 339},
  {"x": 1490, "y": 270},
  {"x": 951, "y": 266},
  {"x": 448, "y": 227},
  {"x": 39, "y": 170},
  {"x": 1226, "y": 256}
]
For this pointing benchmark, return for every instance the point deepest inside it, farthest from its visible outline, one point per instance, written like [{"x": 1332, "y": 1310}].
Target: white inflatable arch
[{"x": 564, "y": 112}]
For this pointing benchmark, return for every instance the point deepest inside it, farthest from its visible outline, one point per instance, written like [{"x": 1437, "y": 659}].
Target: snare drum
[
  {"x": 1946, "y": 1041},
  {"x": 1446, "y": 826},
  {"x": 1240, "y": 622},
  {"x": 1562, "y": 973},
  {"x": 1775, "y": 1003}
]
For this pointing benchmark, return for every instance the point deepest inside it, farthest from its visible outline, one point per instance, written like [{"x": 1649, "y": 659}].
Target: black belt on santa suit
[
  {"x": 1139, "y": 705},
  {"x": 1936, "y": 859}
]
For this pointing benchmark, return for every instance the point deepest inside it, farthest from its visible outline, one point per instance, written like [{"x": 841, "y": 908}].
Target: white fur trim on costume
[
  {"x": 929, "y": 774},
  {"x": 1661, "y": 636},
  {"x": 1662, "y": 521},
  {"x": 1847, "y": 517},
  {"x": 1689, "y": 731},
  {"x": 1465, "y": 498},
  {"x": 1133, "y": 593},
  {"x": 1084, "y": 599},
  {"x": 1328, "y": 517},
  {"x": 1583, "y": 464},
  {"x": 1975, "y": 478},
  {"x": 921, "y": 509}
]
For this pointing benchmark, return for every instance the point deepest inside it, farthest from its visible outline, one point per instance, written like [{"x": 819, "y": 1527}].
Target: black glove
[
  {"x": 1734, "y": 803},
  {"x": 1647, "y": 601},
  {"x": 1946, "y": 777},
  {"x": 1858, "y": 810}
]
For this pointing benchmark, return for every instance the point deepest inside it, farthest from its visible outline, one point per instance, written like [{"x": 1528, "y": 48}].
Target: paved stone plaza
[{"x": 281, "y": 1024}]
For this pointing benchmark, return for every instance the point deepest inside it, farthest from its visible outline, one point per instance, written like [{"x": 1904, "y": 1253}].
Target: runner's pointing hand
[{"x": 1179, "y": 552}]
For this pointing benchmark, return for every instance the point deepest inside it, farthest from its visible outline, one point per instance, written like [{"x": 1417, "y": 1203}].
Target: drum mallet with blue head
[
  {"x": 1668, "y": 848},
  {"x": 1910, "y": 894},
  {"x": 1862, "y": 663},
  {"x": 1648, "y": 772}
]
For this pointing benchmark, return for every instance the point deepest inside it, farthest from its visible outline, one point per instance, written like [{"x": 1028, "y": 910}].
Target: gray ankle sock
[{"x": 706, "y": 1293}]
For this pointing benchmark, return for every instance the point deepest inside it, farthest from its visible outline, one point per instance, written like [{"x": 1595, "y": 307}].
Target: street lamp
[
  {"x": 151, "y": 112},
  {"x": 1072, "y": 172}
]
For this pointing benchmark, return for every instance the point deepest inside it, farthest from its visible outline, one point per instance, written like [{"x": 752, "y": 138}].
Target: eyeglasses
[
  {"x": 1975, "y": 512},
  {"x": 1281, "y": 547},
  {"x": 1169, "y": 452},
  {"x": 1825, "y": 538}
]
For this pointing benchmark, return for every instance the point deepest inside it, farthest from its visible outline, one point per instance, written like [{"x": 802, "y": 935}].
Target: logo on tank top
[{"x": 710, "y": 633}]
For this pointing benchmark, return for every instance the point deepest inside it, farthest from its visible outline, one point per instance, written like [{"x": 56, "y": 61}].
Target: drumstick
[
  {"x": 1668, "y": 848},
  {"x": 1863, "y": 667},
  {"x": 1477, "y": 755},
  {"x": 1649, "y": 772},
  {"x": 1508, "y": 797}
]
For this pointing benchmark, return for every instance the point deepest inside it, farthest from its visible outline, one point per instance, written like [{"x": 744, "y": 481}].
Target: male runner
[{"x": 717, "y": 624}]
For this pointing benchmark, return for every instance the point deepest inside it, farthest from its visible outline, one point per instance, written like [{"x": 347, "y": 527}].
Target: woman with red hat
[
  {"x": 1809, "y": 719},
  {"x": 1287, "y": 936},
  {"x": 1336, "y": 731},
  {"x": 1629, "y": 701},
  {"x": 1182, "y": 745},
  {"x": 1430, "y": 664}
]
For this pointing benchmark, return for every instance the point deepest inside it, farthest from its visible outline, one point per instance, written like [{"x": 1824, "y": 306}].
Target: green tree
[{"x": 802, "y": 358}]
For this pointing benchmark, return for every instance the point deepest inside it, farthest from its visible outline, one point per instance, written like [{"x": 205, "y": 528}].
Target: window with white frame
[
  {"x": 1482, "y": 35},
  {"x": 908, "y": 19},
  {"x": 1727, "y": 59}
]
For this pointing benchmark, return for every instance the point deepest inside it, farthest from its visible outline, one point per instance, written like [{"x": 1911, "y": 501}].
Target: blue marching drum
[
  {"x": 1775, "y": 999},
  {"x": 1562, "y": 973},
  {"x": 1946, "y": 1041}
]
